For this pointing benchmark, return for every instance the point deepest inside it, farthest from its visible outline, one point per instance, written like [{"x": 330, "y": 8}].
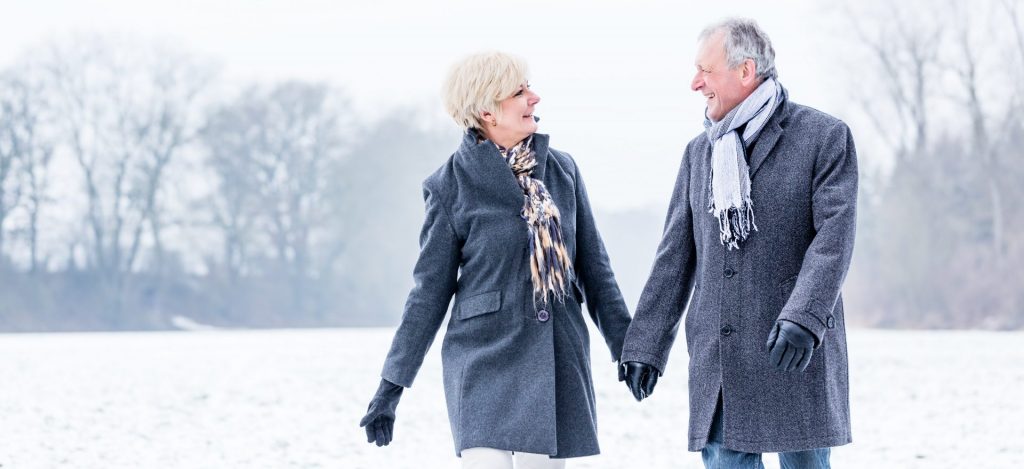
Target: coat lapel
[
  {"x": 540, "y": 146},
  {"x": 769, "y": 137},
  {"x": 490, "y": 174}
]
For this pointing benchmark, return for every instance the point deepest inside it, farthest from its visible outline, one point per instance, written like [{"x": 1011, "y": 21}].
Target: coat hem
[
  {"x": 831, "y": 441},
  {"x": 580, "y": 454}
]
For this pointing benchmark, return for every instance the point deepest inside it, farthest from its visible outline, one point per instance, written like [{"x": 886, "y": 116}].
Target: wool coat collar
[
  {"x": 769, "y": 135},
  {"x": 482, "y": 162}
]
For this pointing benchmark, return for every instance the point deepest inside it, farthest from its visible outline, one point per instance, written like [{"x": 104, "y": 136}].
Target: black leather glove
[
  {"x": 790, "y": 346},
  {"x": 622, "y": 371},
  {"x": 379, "y": 420},
  {"x": 641, "y": 378}
]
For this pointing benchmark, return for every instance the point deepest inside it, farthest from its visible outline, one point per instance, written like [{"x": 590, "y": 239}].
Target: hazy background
[{"x": 258, "y": 163}]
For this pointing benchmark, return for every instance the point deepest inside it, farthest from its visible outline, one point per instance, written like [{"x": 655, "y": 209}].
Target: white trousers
[{"x": 490, "y": 458}]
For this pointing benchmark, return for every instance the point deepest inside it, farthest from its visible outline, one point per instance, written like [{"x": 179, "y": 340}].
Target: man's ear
[{"x": 749, "y": 75}]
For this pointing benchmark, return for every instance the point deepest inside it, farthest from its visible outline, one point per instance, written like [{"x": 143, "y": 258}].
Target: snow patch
[{"x": 186, "y": 324}]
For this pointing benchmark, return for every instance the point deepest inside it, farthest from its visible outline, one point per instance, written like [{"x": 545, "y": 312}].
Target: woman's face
[{"x": 516, "y": 120}]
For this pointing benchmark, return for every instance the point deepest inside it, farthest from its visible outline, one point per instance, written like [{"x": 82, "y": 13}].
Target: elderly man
[{"x": 760, "y": 230}]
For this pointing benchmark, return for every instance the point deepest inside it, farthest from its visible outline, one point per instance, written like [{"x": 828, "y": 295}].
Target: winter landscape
[
  {"x": 243, "y": 180},
  {"x": 292, "y": 399}
]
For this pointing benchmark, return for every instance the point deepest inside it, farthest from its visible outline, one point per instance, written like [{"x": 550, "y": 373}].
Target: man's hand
[
  {"x": 379, "y": 420},
  {"x": 790, "y": 346},
  {"x": 640, "y": 378}
]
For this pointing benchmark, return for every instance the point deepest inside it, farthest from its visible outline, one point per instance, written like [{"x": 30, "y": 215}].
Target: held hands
[
  {"x": 640, "y": 378},
  {"x": 790, "y": 346},
  {"x": 379, "y": 420}
]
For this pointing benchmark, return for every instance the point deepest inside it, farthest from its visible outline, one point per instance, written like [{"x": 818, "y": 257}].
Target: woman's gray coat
[
  {"x": 516, "y": 376},
  {"x": 803, "y": 171}
]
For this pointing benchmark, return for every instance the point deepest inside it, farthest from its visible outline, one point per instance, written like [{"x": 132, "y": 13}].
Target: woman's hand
[{"x": 379, "y": 420}]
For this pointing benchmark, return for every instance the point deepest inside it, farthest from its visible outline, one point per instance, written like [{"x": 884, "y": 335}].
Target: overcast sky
[{"x": 613, "y": 76}]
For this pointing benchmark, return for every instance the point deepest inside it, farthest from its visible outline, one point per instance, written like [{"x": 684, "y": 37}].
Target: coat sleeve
[
  {"x": 603, "y": 297},
  {"x": 670, "y": 284},
  {"x": 435, "y": 278},
  {"x": 834, "y": 207}
]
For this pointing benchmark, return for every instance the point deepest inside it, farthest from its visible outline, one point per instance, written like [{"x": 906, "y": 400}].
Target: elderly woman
[{"x": 510, "y": 233}]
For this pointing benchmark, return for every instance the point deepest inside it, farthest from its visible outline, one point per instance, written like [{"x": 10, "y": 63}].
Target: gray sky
[{"x": 613, "y": 76}]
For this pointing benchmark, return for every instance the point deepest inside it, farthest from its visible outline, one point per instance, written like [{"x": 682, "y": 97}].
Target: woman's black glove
[
  {"x": 641, "y": 378},
  {"x": 379, "y": 420},
  {"x": 790, "y": 346}
]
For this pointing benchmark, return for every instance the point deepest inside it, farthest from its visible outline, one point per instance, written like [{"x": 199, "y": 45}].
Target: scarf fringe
[{"x": 735, "y": 224}]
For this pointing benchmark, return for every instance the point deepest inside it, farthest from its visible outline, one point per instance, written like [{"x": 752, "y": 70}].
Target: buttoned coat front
[
  {"x": 516, "y": 375},
  {"x": 804, "y": 189}
]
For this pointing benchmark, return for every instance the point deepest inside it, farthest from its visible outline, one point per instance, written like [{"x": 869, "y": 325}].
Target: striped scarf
[
  {"x": 550, "y": 266},
  {"x": 729, "y": 201}
]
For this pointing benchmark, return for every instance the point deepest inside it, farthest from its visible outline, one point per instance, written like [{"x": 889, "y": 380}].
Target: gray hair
[{"x": 744, "y": 39}]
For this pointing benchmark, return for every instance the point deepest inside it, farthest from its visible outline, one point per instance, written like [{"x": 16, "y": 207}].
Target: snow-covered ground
[{"x": 292, "y": 399}]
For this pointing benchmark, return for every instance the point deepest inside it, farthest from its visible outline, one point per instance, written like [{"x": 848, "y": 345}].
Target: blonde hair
[{"x": 479, "y": 83}]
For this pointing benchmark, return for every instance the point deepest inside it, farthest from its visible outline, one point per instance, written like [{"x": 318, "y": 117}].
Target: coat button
[
  {"x": 543, "y": 315},
  {"x": 726, "y": 330},
  {"x": 729, "y": 273},
  {"x": 830, "y": 322}
]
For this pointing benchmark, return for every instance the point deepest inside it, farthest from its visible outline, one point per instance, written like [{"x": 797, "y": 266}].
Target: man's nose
[
  {"x": 534, "y": 98},
  {"x": 698, "y": 82}
]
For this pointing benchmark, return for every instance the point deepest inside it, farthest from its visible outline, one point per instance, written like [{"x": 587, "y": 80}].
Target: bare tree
[
  {"x": 898, "y": 96},
  {"x": 966, "y": 66},
  {"x": 1012, "y": 10},
  {"x": 126, "y": 113},
  {"x": 23, "y": 122},
  {"x": 10, "y": 117},
  {"x": 273, "y": 151},
  {"x": 904, "y": 50},
  {"x": 951, "y": 117},
  {"x": 1015, "y": 114},
  {"x": 231, "y": 138}
]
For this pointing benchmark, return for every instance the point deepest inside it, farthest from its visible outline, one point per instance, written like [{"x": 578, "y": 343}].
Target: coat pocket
[{"x": 479, "y": 304}]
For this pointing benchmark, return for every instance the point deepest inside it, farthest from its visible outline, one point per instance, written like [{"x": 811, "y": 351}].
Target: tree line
[
  {"x": 139, "y": 191},
  {"x": 940, "y": 239}
]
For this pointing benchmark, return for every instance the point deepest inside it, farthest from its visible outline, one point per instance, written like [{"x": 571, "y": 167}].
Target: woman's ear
[{"x": 488, "y": 118}]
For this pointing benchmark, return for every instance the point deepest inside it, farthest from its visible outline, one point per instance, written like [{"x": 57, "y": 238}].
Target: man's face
[{"x": 723, "y": 87}]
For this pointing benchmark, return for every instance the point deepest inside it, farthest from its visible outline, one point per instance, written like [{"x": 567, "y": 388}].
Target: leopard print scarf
[{"x": 550, "y": 265}]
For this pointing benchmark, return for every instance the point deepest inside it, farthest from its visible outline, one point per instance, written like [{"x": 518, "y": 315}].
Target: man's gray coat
[
  {"x": 803, "y": 170},
  {"x": 516, "y": 376}
]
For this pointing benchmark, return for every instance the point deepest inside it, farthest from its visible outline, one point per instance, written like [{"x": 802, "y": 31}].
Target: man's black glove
[
  {"x": 641, "y": 378},
  {"x": 790, "y": 346},
  {"x": 622, "y": 371},
  {"x": 379, "y": 420}
]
